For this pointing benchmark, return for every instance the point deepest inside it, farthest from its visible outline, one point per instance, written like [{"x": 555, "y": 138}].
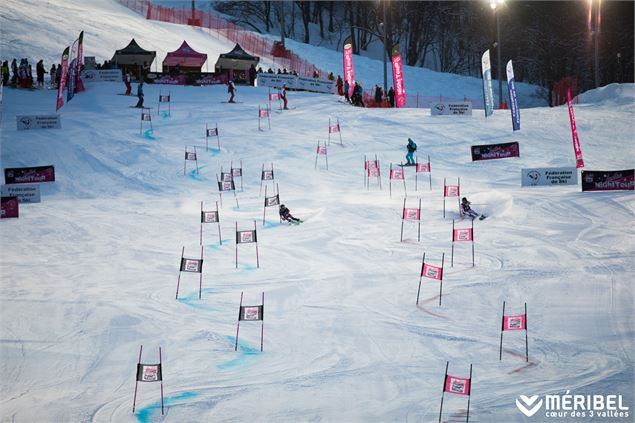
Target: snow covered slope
[{"x": 89, "y": 274}]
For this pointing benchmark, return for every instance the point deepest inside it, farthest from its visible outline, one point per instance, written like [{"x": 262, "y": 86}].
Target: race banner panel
[
  {"x": 267, "y": 175},
  {"x": 252, "y": 313},
  {"x": 432, "y": 272},
  {"x": 226, "y": 176},
  {"x": 423, "y": 168},
  {"x": 243, "y": 237},
  {"x": 149, "y": 373},
  {"x": 101, "y": 75},
  {"x": 26, "y": 193},
  {"x": 147, "y": 117},
  {"x": 212, "y": 132},
  {"x": 463, "y": 235},
  {"x": 209, "y": 217},
  {"x": 226, "y": 186},
  {"x": 349, "y": 70},
  {"x": 25, "y": 122},
  {"x": 445, "y": 108},
  {"x": 457, "y": 385},
  {"x": 451, "y": 191},
  {"x": 608, "y": 180},
  {"x": 495, "y": 151},
  {"x": 411, "y": 214},
  {"x": 27, "y": 175},
  {"x": 191, "y": 265},
  {"x": 9, "y": 208},
  {"x": 190, "y": 155},
  {"x": 295, "y": 82},
  {"x": 272, "y": 201},
  {"x": 515, "y": 322},
  {"x": 397, "y": 174},
  {"x": 397, "y": 76},
  {"x": 164, "y": 98},
  {"x": 549, "y": 176}
]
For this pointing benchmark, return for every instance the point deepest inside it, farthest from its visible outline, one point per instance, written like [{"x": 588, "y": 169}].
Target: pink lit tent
[{"x": 186, "y": 58}]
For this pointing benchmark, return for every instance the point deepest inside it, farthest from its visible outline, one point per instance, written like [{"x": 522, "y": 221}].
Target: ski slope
[{"x": 90, "y": 273}]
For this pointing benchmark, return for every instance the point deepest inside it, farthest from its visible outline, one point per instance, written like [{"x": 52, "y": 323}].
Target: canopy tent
[
  {"x": 237, "y": 62},
  {"x": 185, "y": 58},
  {"x": 132, "y": 58}
]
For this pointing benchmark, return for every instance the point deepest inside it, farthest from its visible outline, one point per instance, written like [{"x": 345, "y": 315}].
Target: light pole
[
  {"x": 383, "y": 27},
  {"x": 499, "y": 72}
]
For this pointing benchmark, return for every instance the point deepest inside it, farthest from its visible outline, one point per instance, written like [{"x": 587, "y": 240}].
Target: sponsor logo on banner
[
  {"x": 252, "y": 313},
  {"x": 568, "y": 405},
  {"x": 432, "y": 272},
  {"x": 549, "y": 176},
  {"x": 609, "y": 180},
  {"x": 26, "y": 193},
  {"x": 149, "y": 373},
  {"x": 226, "y": 176},
  {"x": 226, "y": 186},
  {"x": 209, "y": 217},
  {"x": 171, "y": 80},
  {"x": 38, "y": 122},
  {"x": 451, "y": 191},
  {"x": 272, "y": 201},
  {"x": 396, "y": 174},
  {"x": 463, "y": 235},
  {"x": 487, "y": 84},
  {"x": 191, "y": 265},
  {"x": 445, "y": 108},
  {"x": 267, "y": 175},
  {"x": 397, "y": 75},
  {"x": 423, "y": 167},
  {"x": 237, "y": 171},
  {"x": 27, "y": 175},
  {"x": 263, "y": 113},
  {"x": 514, "y": 322},
  {"x": 164, "y": 99},
  {"x": 146, "y": 117},
  {"x": 321, "y": 150},
  {"x": 190, "y": 156},
  {"x": 9, "y": 208},
  {"x": 101, "y": 75},
  {"x": 513, "y": 99},
  {"x": 214, "y": 80},
  {"x": 495, "y": 151},
  {"x": 245, "y": 236},
  {"x": 457, "y": 385},
  {"x": 295, "y": 83},
  {"x": 411, "y": 214},
  {"x": 212, "y": 132}
]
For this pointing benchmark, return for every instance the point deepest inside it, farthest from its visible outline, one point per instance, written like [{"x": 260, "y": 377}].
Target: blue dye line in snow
[
  {"x": 166, "y": 114},
  {"x": 218, "y": 246},
  {"x": 246, "y": 267},
  {"x": 192, "y": 299},
  {"x": 245, "y": 355},
  {"x": 213, "y": 151},
  {"x": 195, "y": 175},
  {"x": 147, "y": 134},
  {"x": 269, "y": 224},
  {"x": 144, "y": 414}
]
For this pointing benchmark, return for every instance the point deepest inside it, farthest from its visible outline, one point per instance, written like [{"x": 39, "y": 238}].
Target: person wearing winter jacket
[
  {"x": 283, "y": 96},
  {"x": 39, "y": 70},
  {"x": 340, "y": 86},
  {"x": 285, "y": 214},
  {"x": 391, "y": 97},
  {"x": 347, "y": 89},
  {"x": 5, "y": 73},
  {"x": 127, "y": 79},
  {"x": 52, "y": 73},
  {"x": 411, "y": 147},
  {"x": 140, "y": 94},
  {"x": 231, "y": 89}
]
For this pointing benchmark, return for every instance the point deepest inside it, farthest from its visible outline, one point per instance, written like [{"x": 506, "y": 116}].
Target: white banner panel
[
  {"x": 443, "y": 108},
  {"x": 276, "y": 80},
  {"x": 26, "y": 193},
  {"x": 101, "y": 75},
  {"x": 549, "y": 176},
  {"x": 38, "y": 122}
]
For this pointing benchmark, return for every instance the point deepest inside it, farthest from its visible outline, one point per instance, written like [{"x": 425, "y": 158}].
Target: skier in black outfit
[
  {"x": 285, "y": 214},
  {"x": 140, "y": 94},
  {"x": 466, "y": 210}
]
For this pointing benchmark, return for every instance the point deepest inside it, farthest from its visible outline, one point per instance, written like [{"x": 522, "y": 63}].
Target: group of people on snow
[
  {"x": 21, "y": 75},
  {"x": 356, "y": 98}
]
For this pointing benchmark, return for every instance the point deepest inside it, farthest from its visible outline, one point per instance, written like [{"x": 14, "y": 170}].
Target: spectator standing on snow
[
  {"x": 5, "y": 72},
  {"x": 52, "y": 73},
  {"x": 347, "y": 89},
  {"x": 231, "y": 89},
  {"x": 391, "y": 97},
  {"x": 340, "y": 85},
  {"x": 39, "y": 70},
  {"x": 252, "y": 75},
  {"x": 127, "y": 79},
  {"x": 283, "y": 96}
]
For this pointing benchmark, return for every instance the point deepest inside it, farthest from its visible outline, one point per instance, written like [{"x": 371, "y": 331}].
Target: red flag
[{"x": 62, "y": 85}]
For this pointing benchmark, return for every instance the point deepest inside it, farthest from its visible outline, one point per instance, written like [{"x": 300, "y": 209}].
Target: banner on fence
[
  {"x": 9, "y": 208},
  {"x": 25, "y": 122},
  {"x": 445, "y": 108},
  {"x": 549, "y": 176},
  {"x": 608, "y": 180},
  {"x": 102, "y": 75},
  {"x": 495, "y": 151},
  {"x": 27, "y": 175},
  {"x": 26, "y": 193},
  {"x": 295, "y": 82}
]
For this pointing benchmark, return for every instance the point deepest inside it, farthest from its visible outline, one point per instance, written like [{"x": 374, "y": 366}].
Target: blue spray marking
[
  {"x": 193, "y": 301},
  {"x": 245, "y": 355},
  {"x": 269, "y": 224},
  {"x": 194, "y": 175},
  {"x": 147, "y": 134},
  {"x": 217, "y": 247},
  {"x": 166, "y": 114},
  {"x": 213, "y": 151},
  {"x": 247, "y": 268},
  {"x": 144, "y": 414}
]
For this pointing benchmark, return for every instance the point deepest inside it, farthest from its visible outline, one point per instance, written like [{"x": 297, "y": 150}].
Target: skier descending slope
[
  {"x": 285, "y": 214},
  {"x": 466, "y": 210}
]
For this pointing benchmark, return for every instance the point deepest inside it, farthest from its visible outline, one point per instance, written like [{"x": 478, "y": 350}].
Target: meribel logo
[{"x": 576, "y": 406}]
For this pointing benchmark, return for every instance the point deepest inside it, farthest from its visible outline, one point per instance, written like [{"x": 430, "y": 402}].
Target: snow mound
[{"x": 618, "y": 94}]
